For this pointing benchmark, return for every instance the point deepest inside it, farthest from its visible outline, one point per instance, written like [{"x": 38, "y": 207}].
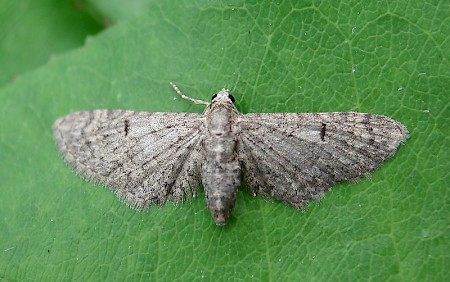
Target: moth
[{"x": 153, "y": 158}]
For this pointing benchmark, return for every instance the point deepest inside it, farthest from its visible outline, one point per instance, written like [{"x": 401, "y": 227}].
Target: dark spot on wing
[
  {"x": 126, "y": 127},
  {"x": 323, "y": 128}
]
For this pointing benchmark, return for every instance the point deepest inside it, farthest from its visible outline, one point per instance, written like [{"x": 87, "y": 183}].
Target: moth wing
[
  {"x": 295, "y": 157},
  {"x": 145, "y": 158}
]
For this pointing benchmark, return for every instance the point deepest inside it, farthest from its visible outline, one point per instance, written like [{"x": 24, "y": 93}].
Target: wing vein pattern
[
  {"x": 295, "y": 157},
  {"x": 145, "y": 158}
]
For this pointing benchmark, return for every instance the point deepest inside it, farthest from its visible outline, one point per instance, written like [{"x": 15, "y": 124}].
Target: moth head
[{"x": 224, "y": 95}]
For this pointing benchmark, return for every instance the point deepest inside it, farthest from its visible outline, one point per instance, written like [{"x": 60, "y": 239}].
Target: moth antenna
[{"x": 196, "y": 101}]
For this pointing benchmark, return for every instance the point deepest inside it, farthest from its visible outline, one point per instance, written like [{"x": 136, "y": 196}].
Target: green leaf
[
  {"x": 113, "y": 11},
  {"x": 32, "y": 31},
  {"x": 389, "y": 58}
]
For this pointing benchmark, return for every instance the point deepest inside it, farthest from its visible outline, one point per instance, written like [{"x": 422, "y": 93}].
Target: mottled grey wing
[
  {"x": 145, "y": 158},
  {"x": 295, "y": 157}
]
